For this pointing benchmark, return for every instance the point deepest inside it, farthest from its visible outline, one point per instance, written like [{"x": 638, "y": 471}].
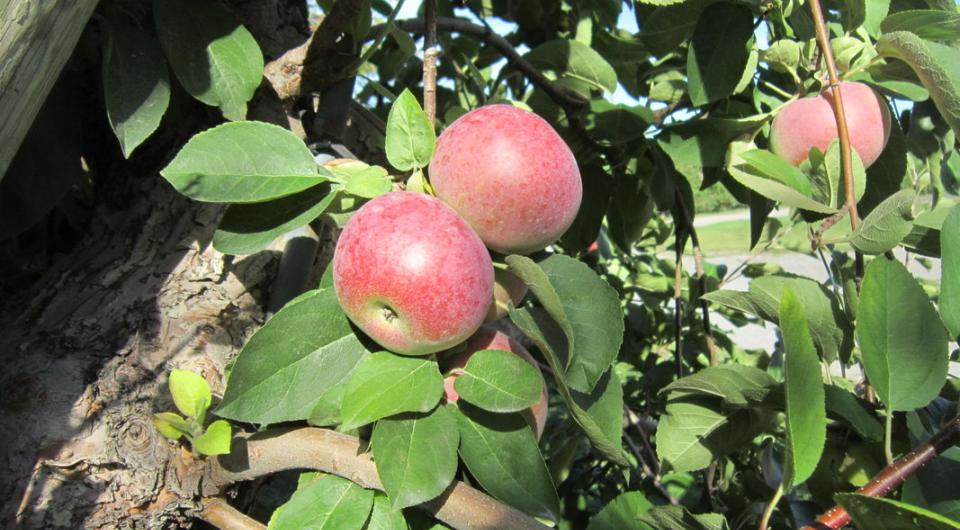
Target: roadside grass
[{"x": 733, "y": 237}]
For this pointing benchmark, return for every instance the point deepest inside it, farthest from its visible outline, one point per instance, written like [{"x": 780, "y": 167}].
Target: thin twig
[
  {"x": 678, "y": 302},
  {"x": 701, "y": 278},
  {"x": 894, "y": 475},
  {"x": 565, "y": 97},
  {"x": 218, "y": 513},
  {"x": 273, "y": 450},
  {"x": 846, "y": 156},
  {"x": 430, "y": 59}
]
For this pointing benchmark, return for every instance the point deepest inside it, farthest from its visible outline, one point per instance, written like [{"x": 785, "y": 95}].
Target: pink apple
[
  {"x": 487, "y": 338},
  {"x": 510, "y": 175},
  {"x": 508, "y": 287},
  {"x": 412, "y": 274},
  {"x": 809, "y": 122}
]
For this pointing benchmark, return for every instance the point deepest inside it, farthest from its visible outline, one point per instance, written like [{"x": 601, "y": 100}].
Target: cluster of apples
[
  {"x": 809, "y": 122},
  {"x": 414, "y": 272}
]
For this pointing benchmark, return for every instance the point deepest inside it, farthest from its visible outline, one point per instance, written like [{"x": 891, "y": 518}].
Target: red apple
[
  {"x": 510, "y": 175},
  {"x": 809, "y": 122},
  {"x": 412, "y": 274},
  {"x": 508, "y": 287},
  {"x": 487, "y": 338}
]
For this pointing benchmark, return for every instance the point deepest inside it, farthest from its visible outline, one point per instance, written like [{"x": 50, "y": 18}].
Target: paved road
[{"x": 764, "y": 337}]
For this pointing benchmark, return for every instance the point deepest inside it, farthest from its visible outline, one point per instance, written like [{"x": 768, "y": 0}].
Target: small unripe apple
[
  {"x": 412, "y": 274},
  {"x": 809, "y": 122},
  {"x": 487, "y": 338},
  {"x": 507, "y": 287},
  {"x": 510, "y": 175}
]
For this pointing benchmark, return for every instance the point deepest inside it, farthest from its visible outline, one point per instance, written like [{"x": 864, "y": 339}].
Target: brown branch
[
  {"x": 566, "y": 98},
  {"x": 324, "y": 450},
  {"x": 430, "y": 59},
  {"x": 846, "y": 156},
  {"x": 895, "y": 474},
  {"x": 218, "y": 513}
]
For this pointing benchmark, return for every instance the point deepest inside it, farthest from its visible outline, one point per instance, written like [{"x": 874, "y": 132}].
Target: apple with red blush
[
  {"x": 412, "y": 274},
  {"x": 809, "y": 122},
  {"x": 510, "y": 175}
]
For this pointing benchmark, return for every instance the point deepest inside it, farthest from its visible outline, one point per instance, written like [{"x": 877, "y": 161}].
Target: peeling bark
[{"x": 88, "y": 348}]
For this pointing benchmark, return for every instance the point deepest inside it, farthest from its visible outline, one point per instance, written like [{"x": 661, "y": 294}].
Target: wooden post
[{"x": 36, "y": 39}]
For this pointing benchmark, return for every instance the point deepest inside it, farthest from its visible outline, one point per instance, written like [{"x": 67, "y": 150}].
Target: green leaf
[
  {"x": 735, "y": 384},
  {"x": 215, "y": 58},
  {"x": 586, "y": 308},
  {"x": 499, "y": 381},
  {"x": 600, "y": 413},
  {"x": 937, "y": 66},
  {"x": 902, "y": 339},
  {"x": 886, "y": 226},
  {"x": 368, "y": 183},
  {"x": 501, "y": 452},
  {"x": 931, "y": 24},
  {"x": 385, "y": 384},
  {"x": 383, "y": 517},
  {"x": 950, "y": 272},
  {"x": 694, "y": 432},
  {"x": 885, "y": 175},
  {"x": 842, "y": 404},
  {"x": 783, "y": 55},
  {"x": 136, "y": 88},
  {"x": 666, "y": 28},
  {"x": 803, "y": 389},
  {"x": 679, "y": 518},
  {"x": 216, "y": 439},
  {"x": 719, "y": 52},
  {"x": 623, "y": 513},
  {"x": 877, "y": 513},
  {"x": 575, "y": 61},
  {"x": 171, "y": 425},
  {"x": 617, "y": 124},
  {"x": 416, "y": 455},
  {"x": 243, "y": 162},
  {"x": 827, "y": 177},
  {"x": 410, "y": 135},
  {"x": 593, "y": 206},
  {"x": 760, "y": 181},
  {"x": 249, "y": 228},
  {"x": 290, "y": 363},
  {"x": 191, "y": 393},
  {"x": 826, "y": 319},
  {"x": 327, "y": 503},
  {"x": 775, "y": 168}
]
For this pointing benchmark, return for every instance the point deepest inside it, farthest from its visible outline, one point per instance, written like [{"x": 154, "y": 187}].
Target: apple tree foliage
[{"x": 658, "y": 417}]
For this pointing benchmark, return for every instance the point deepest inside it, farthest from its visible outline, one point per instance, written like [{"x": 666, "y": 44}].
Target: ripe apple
[
  {"x": 510, "y": 175},
  {"x": 412, "y": 274},
  {"x": 507, "y": 287},
  {"x": 809, "y": 122},
  {"x": 487, "y": 338}
]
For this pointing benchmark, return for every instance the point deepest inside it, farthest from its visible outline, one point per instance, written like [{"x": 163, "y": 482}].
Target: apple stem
[{"x": 846, "y": 156}]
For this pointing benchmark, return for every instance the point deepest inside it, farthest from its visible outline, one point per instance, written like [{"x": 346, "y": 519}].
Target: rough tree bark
[{"x": 88, "y": 348}]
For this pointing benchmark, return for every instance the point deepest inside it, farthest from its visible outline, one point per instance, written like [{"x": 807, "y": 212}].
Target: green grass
[{"x": 733, "y": 237}]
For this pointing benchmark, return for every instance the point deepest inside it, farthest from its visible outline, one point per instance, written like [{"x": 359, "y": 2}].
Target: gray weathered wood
[{"x": 36, "y": 39}]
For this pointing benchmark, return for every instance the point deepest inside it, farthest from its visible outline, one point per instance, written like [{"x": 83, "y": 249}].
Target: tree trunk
[{"x": 89, "y": 346}]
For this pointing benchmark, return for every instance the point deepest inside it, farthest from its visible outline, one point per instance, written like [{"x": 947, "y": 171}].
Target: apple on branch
[
  {"x": 810, "y": 122},
  {"x": 412, "y": 274},
  {"x": 510, "y": 176}
]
